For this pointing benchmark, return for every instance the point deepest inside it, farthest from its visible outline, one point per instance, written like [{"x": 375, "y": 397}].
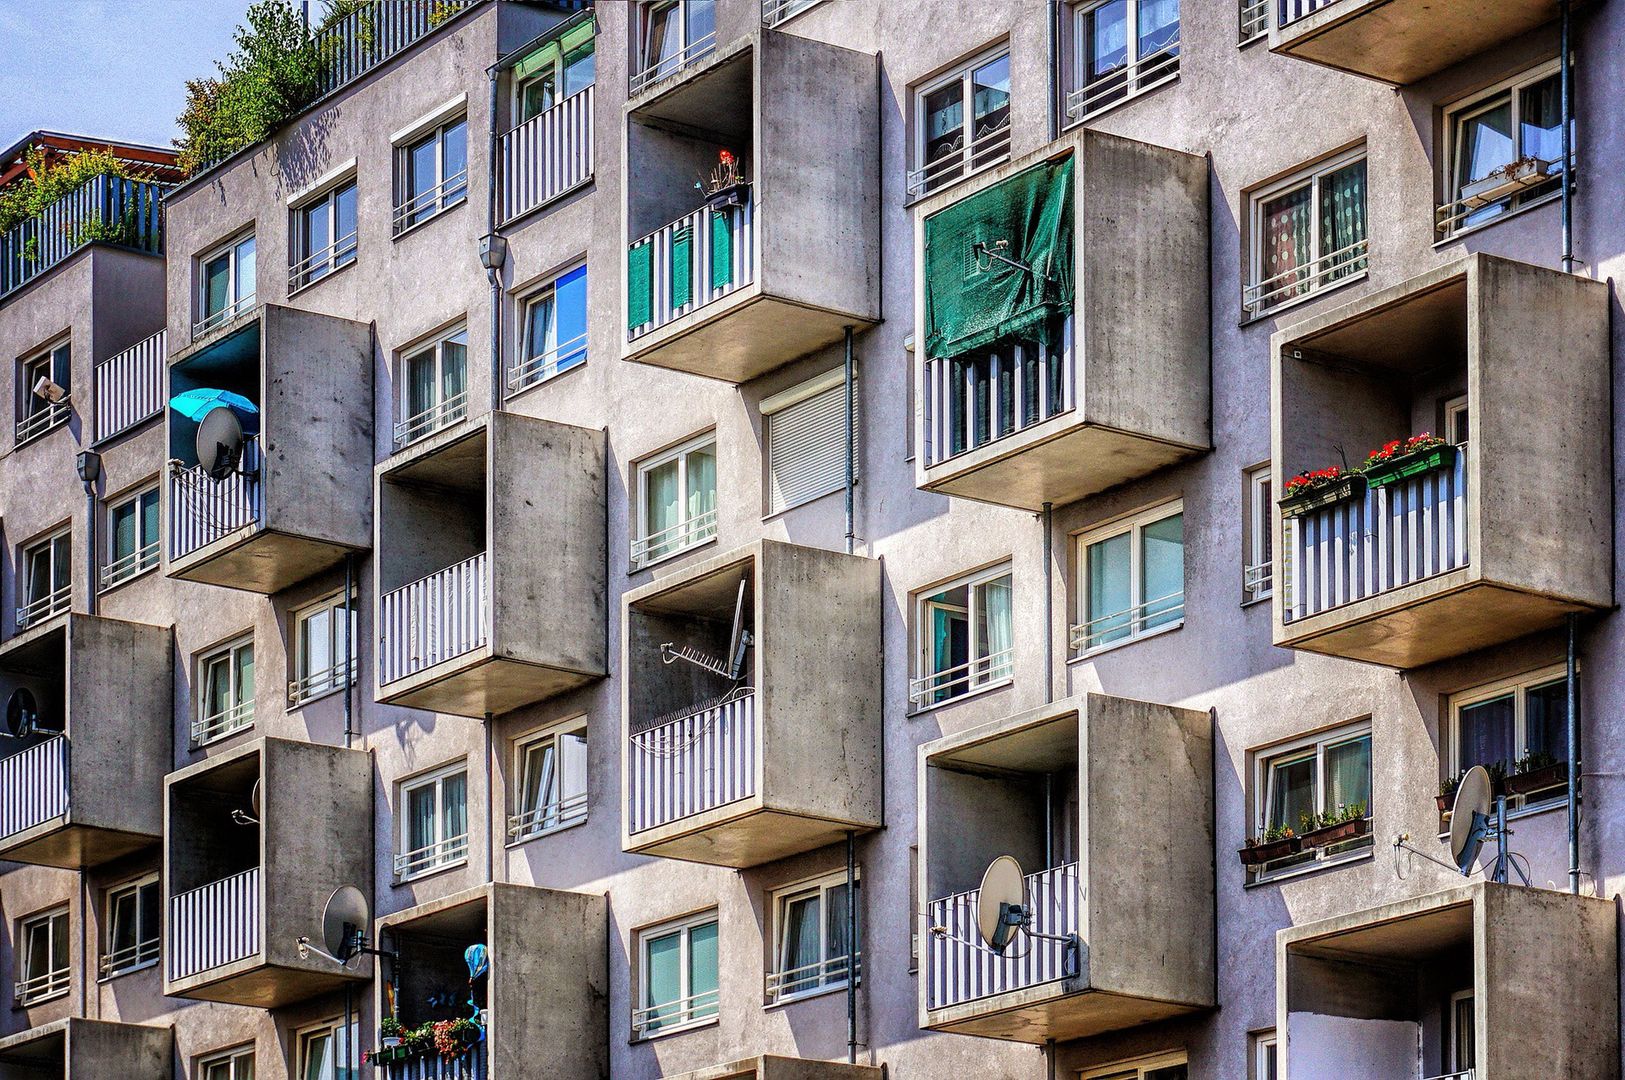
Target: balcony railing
[
  {"x": 775, "y": 12},
  {"x": 1151, "y": 70},
  {"x": 450, "y": 192},
  {"x": 129, "y": 958},
  {"x": 690, "y": 263},
  {"x": 321, "y": 682},
  {"x": 1293, "y": 10},
  {"x": 1254, "y": 17},
  {"x": 319, "y": 264},
  {"x": 962, "y": 969},
  {"x": 546, "y": 156},
  {"x": 540, "y": 368},
  {"x": 44, "y": 607},
  {"x": 970, "y": 402},
  {"x": 1395, "y": 535},
  {"x": 130, "y": 386},
  {"x": 105, "y": 208},
  {"x": 692, "y": 53},
  {"x": 440, "y": 415},
  {"x": 1465, "y": 1074},
  {"x": 547, "y": 817},
  {"x": 1307, "y": 279},
  {"x": 1113, "y": 628},
  {"x": 203, "y": 510},
  {"x": 136, "y": 562},
  {"x": 48, "y": 415},
  {"x": 1258, "y": 579},
  {"x": 669, "y": 541},
  {"x": 33, "y": 786},
  {"x": 470, "y": 1065},
  {"x": 952, "y": 682},
  {"x": 215, "y": 925},
  {"x": 434, "y": 619},
  {"x": 451, "y": 850},
  {"x": 44, "y": 985},
  {"x": 983, "y": 152},
  {"x": 213, "y": 320},
  {"x": 678, "y": 1013},
  {"x": 811, "y": 978},
  {"x": 363, "y": 39},
  {"x": 218, "y": 725},
  {"x": 693, "y": 764}
]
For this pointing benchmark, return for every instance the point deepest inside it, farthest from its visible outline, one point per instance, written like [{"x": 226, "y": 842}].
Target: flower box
[
  {"x": 1505, "y": 182},
  {"x": 1403, "y": 466},
  {"x": 1336, "y": 834},
  {"x": 1547, "y": 776},
  {"x": 1318, "y": 496},
  {"x": 1259, "y": 854},
  {"x": 389, "y": 1055},
  {"x": 729, "y": 197}
]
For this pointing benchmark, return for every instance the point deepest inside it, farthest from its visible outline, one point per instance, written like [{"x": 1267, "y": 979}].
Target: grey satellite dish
[
  {"x": 22, "y": 713},
  {"x": 254, "y": 799},
  {"x": 220, "y": 442},
  {"x": 251, "y": 816},
  {"x": 1470, "y": 818},
  {"x": 344, "y": 923},
  {"x": 1001, "y": 905}
]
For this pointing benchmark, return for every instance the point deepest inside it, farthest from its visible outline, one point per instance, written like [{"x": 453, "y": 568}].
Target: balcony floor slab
[
  {"x": 62, "y": 843},
  {"x": 1056, "y": 1011},
  {"x": 258, "y": 560},
  {"x": 254, "y": 983},
  {"x": 740, "y": 835},
  {"x": 477, "y": 683},
  {"x": 742, "y": 336}
]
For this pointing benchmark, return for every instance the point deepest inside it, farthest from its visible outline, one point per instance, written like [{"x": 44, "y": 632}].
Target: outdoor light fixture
[
  {"x": 493, "y": 251},
  {"x": 89, "y": 464}
]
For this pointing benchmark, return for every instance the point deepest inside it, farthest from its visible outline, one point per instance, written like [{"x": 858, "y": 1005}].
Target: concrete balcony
[
  {"x": 472, "y": 618},
  {"x": 255, "y": 842},
  {"x": 299, "y": 501},
  {"x": 1101, "y": 376},
  {"x": 537, "y": 938},
  {"x": 1131, "y": 878},
  {"x": 1507, "y": 531},
  {"x": 83, "y": 790},
  {"x": 777, "y": 1067},
  {"x": 1486, "y": 981},
  {"x": 737, "y": 285},
  {"x": 80, "y": 1049},
  {"x": 1400, "y": 41},
  {"x": 777, "y": 756}
]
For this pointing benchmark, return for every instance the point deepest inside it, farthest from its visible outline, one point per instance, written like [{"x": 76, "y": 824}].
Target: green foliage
[
  {"x": 443, "y": 10},
  {"x": 389, "y": 1027},
  {"x": 1272, "y": 835},
  {"x": 1539, "y": 759},
  {"x": 42, "y": 184},
  {"x": 1337, "y": 815}
]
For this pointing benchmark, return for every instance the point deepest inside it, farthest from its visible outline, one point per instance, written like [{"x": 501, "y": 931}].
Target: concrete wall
[{"x": 120, "y": 677}]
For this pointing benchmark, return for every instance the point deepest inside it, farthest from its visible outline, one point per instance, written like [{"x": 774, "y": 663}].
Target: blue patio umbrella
[{"x": 196, "y": 404}]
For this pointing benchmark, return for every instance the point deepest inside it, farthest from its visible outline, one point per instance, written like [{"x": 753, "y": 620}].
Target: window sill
[
  {"x": 430, "y": 871},
  {"x": 1348, "y": 858},
  {"x": 676, "y": 1029},
  {"x": 648, "y": 564},
  {"x": 328, "y": 275},
  {"x": 1100, "y": 650},
  {"x": 521, "y": 841},
  {"x": 808, "y": 995},
  {"x": 1458, "y": 234},
  {"x": 436, "y": 216},
  {"x": 1326, "y": 290},
  {"x": 777, "y": 514},
  {"x": 131, "y": 970},
  {"x": 1002, "y": 684}
]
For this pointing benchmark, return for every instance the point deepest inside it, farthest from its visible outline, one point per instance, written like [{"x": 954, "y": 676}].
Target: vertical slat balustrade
[
  {"x": 110, "y": 208},
  {"x": 547, "y": 155},
  {"x": 1051, "y": 393},
  {"x": 353, "y": 45},
  {"x": 203, "y": 510},
  {"x": 215, "y": 925},
  {"x": 702, "y": 291},
  {"x": 469, "y": 1066},
  {"x": 130, "y": 386},
  {"x": 962, "y": 969},
  {"x": 433, "y": 619},
  {"x": 693, "y": 764},
  {"x": 1293, "y": 10},
  {"x": 33, "y": 786}
]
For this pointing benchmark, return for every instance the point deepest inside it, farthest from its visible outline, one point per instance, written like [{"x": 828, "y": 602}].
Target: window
[
  {"x": 672, "y": 35},
  {"x": 47, "y": 585},
  {"x": 1297, "y": 782},
  {"x": 1460, "y": 1052},
  {"x": 553, "y": 332},
  {"x": 1307, "y": 233},
  {"x": 561, "y": 68},
  {"x": 226, "y": 694},
  {"x": 1131, "y": 579},
  {"x": 677, "y": 501},
  {"x": 431, "y": 174},
  {"x": 677, "y": 976},
  {"x": 40, "y": 378},
  {"x": 1505, "y": 150},
  {"x": 1120, "y": 48},
  {"x": 962, "y": 123},
  {"x": 1517, "y": 728},
  {"x": 330, "y": 1052},
  {"x": 811, "y": 950},
  {"x": 233, "y": 1065},
  {"x": 132, "y": 540},
  {"x": 1265, "y": 1064},
  {"x": 434, "y": 823},
  {"x": 434, "y": 387},
  {"x": 225, "y": 284},
  {"x": 324, "y": 236},
  {"x": 805, "y": 432},
  {"x": 131, "y": 915},
  {"x": 1163, "y": 1067},
  {"x": 1258, "y": 554},
  {"x": 1254, "y": 19},
  {"x": 42, "y": 958},
  {"x": 552, "y": 771},
  {"x": 775, "y": 12},
  {"x": 966, "y": 637},
  {"x": 324, "y": 649},
  {"x": 1455, "y": 421}
]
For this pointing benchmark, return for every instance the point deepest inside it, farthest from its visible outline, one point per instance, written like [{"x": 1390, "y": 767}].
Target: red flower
[{"x": 726, "y": 157}]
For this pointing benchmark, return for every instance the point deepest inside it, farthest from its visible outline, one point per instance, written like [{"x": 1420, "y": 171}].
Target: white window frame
[
  {"x": 824, "y": 980},
  {"x": 1262, "y": 777},
  {"x": 1257, "y": 572},
  {"x": 1133, "y": 525},
  {"x": 526, "y": 823},
  {"x": 516, "y": 102},
  {"x": 1137, "y": 1068},
  {"x": 780, "y": 409},
  {"x": 1265, "y": 1063},
  {"x": 144, "y": 953},
  {"x": 690, "y": 532},
  {"x": 34, "y": 610},
  {"x": 447, "y": 192},
  {"x": 1455, "y": 413},
  {"x": 1452, "y": 217},
  {"x": 778, "y": 12},
  {"x": 1452, "y": 1026},
  {"x": 240, "y": 301},
  {"x": 645, "y": 74},
  {"x": 692, "y": 1012},
  {"x": 445, "y": 411},
  {"x": 309, "y": 267},
  {"x": 36, "y": 415},
  {"x": 37, "y": 987},
  {"x": 1139, "y": 75},
  {"x": 981, "y": 673},
  {"x": 446, "y": 851},
  {"x": 144, "y": 557},
  {"x": 239, "y": 1062},
  {"x": 529, "y": 371},
  {"x": 239, "y": 715},
  {"x": 1518, "y": 686},
  {"x": 1313, "y": 175},
  {"x": 1252, "y": 19},
  {"x": 974, "y": 156},
  {"x": 307, "y": 686},
  {"x": 339, "y": 1039}
]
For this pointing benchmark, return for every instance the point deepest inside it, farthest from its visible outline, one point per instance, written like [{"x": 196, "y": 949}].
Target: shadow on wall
[{"x": 302, "y": 155}]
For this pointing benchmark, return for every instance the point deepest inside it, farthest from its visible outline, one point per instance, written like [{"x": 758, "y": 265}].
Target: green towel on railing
[
  {"x": 722, "y": 250},
  {"x": 682, "y": 268},
  {"x": 640, "y": 265}
]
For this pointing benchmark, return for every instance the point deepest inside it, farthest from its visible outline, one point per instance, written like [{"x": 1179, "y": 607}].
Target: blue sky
[{"x": 113, "y": 69}]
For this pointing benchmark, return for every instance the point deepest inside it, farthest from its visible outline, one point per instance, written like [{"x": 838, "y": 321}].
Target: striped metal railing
[
  {"x": 136, "y": 562},
  {"x": 453, "y": 849},
  {"x": 965, "y": 401},
  {"x": 45, "y": 417},
  {"x": 228, "y": 721},
  {"x": 546, "y": 156},
  {"x": 44, "y": 607},
  {"x": 961, "y": 968},
  {"x": 1253, "y": 19},
  {"x": 951, "y": 682},
  {"x": 1148, "y": 71},
  {"x": 203, "y": 509},
  {"x": 317, "y": 683},
  {"x": 426, "y": 204},
  {"x": 130, "y": 386},
  {"x": 469, "y": 1065},
  {"x": 129, "y": 958},
  {"x": 34, "y": 786},
  {"x": 46, "y": 984},
  {"x": 1395, "y": 535},
  {"x": 809, "y": 978},
  {"x": 433, "y": 619},
  {"x": 443, "y": 414},
  {"x": 675, "y": 1014},
  {"x": 1306, "y": 279},
  {"x": 1134, "y": 621},
  {"x": 107, "y": 208},
  {"x": 693, "y": 764},
  {"x": 667, "y": 301},
  {"x": 775, "y": 12},
  {"x": 1290, "y": 11},
  {"x": 215, "y": 925},
  {"x": 547, "y": 817},
  {"x": 358, "y": 42},
  {"x": 322, "y": 262}
]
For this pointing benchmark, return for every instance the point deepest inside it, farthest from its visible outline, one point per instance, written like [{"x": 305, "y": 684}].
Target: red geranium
[{"x": 1317, "y": 478}]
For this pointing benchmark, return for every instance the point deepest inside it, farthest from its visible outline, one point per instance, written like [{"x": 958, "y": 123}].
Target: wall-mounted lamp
[{"x": 493, "y": 251}]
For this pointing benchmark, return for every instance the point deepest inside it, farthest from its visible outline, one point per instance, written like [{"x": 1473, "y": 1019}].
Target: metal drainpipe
[
  {"x": 90, "y": 547},
  {"x": 1056, "y": 95},
  {"x": 851, "y": 455},
  {"x": 852, "y": 951},
  {"x": 1049, "y": 603},
  {"x": 351, "y": 660},
  {"x": 1574, "y": 757},
  {"x": 1564, "y": 81},
  {"x": 490, "y": 808},
  {"x": 494, "y": 273}
]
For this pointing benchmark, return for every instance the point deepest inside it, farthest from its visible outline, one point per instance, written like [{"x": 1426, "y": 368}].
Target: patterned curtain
[
  {"x": 1286, "y": 246},
  {"x": 1342, "y": 218}
]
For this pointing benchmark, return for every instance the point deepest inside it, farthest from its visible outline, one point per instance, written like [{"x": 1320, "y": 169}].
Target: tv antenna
[
  {"x": 22, "y": 713},
  {"x": 739, "y": 640},
  {"x": 1004, "y": 912},
  {"x": 242, "y": 817},
  {"x": 344, "y": 929},
  {"x": 989, "y": 252},
  {"x": 1471, "y": 825}
]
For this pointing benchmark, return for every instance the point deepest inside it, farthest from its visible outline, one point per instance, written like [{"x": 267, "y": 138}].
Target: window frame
[
  {"x": 1518, "y": 686},
  {"x": 1265, "y": 1064},
  {"x": 1453, "y": 1032},
  {"x": 233, "y": 1059},
  {"x": 786, "y": 401},
  {"x": 689, "y": 534},
  {"x": 408, "y": 868},
  {"x": 1475, "y": 104},
  {"x": 206, "y": 321},
  {"x": 527, "y": 371},
  {"x": 446, "y": 411},
  {"x": 57, "y": 546},
  {"x": 1293, "y": 750},
  {"x": 1133, "y": 525},
  {"x": 1258, "y": 574},
  {"x": 824, "y": 982},
  {"x": 1312, "y": 174},
  {"x": 239, "y": 716},
  {"x": 146, "y": 951},
  {"x": 970, "y": 160},
  {"x": 340, "y": 1037},
  {"x": 644, "y": 74},
  {"x": 144, "y": 557},
  {"x": 685, "y": 926},
  {"x": 341, "y": 251},
  {"x": 307, "y": 686},
  {"x": 1136, "y": 1068},
  {"x": 446, "y": 193},
  {"x": 996, "y": 673},
  {"x": 37, "y": 987},
  {"x": 516, "y": 100},
  {"x": 778, "y": 12},
  {"x": 37, "y": 416},
  {"x": 569, "y": 810},
  {"x": 1134, "y": 78}
]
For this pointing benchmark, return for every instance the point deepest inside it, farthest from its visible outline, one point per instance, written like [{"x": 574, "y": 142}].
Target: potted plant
[
  {"x": 1342, "y": 822},
  {"x": 725, "y": 190},
  {"x": 389, "y": 1032},
  {"x": 1403, "y": 458},
  {"x": 1273, "y": 843},
  {"x": 1507, "y": 180},
  {"x": 1447, "y": 793},
  {"x": 1536, "y": 771},
  {"x": 1323, "y": 487}
]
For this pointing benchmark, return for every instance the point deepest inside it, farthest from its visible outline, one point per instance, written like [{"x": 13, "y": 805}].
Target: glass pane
[
  {"x": 1546, "y": 719},
  {"x": 149, "y": 912},
  {"x": 533, "y": 781},
  {"x": 1342, "y": 218},
  {"x": 662, "y": 37},
  {"x": 149, "y": 518},
  {"x": 1106, "y": 34},
  {"x": 454, "y": 366},
  {"x": 216, "y": 284},
  {"x": 454, "y": 794},
  {"x": 573, "y": 765},
  {"x": 344, "y": 224},
  {"x": 1292, "y": 793},
  {"x": 702, "y": 20},
  {"x": 663, "y": 974},
  {"x": 990, "y": 97},
  {"x": 61, "y": 562},
  {"x": 1540, "y": 120},
  {"x": 38, "y": 959},
  {"x": 570, "y": 316},
  {"x": 245, "y": 269},
  {"x": 39, "y": 572},
  {"x": 837, "y": 947},
  {"x": 948, "y": 644},
  {"x": 1462, "y": 1032},
  {"x": 702, "y": 968},
  {"x": 1107, "y": 567},
  {"x": 318, "y": 1057},
  {"x": 454, "y": 162},
  {"x": 993, "y": 629},
  {"x": 800, "y": 952},
  {"x": 124, "y": 522},
  {"x": 1484, "y": 143},
  {"x": 123, "y": 919},
  {"x": 1171, "y": 1072},
  {"x": 537, "y": 96},
  {"x": 660, "y": 504},
  {"x": 1158, "y": 25},
  {"x": 59, "y": 942},
  {"x": 316, "y": 643},
  {"x": 317, "y": 239},
  {"x": 1162, "y": 571},
  {"x": 420, "y": 383},
  {"x": 422, "y": 178},
  {"x": 579, "y": 69},
  {"x": 944, "y": 126},
  {"x": 244, "y": 660},
  {"x": 539, "y": 328},
  {"x": 422, "y": 817},
  {"x": 217, "y": 686},
  {"x": 1484, "y": 733},
  {"x": 1348, "y": 774},
  {"x": 702, "y": 481},
  {"x": 1286, "y": 238}
]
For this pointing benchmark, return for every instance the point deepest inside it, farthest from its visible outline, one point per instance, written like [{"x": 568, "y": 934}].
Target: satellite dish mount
[
  {"x": 1478, "y": 815},
  {"x": 22, "y": 713},
  {"x": 344, "y": 929},
  {"x": 1003, "y": 912},
  {"x": 732, "y": 666},
  {"x": 220, "y": 442}
]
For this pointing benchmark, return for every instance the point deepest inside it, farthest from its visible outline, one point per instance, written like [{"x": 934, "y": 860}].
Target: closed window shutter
[{"x": 805, "y": 458}]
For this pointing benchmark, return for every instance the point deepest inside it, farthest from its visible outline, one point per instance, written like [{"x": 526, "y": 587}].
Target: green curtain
[
  {"x": 640, "y": 268},
  {"x": 1342, "y": 216},
  {"x": 682, "y": 267},
  {"x": 548, "y": 53},
  {"x": 973, "y": 300},
  {"x": 1348, "y": 774},
  {"x": 722, "y": 249}
]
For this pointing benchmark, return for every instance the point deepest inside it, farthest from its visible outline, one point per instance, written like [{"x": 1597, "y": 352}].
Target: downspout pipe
[
  {"x": 852, "y": 951},
  {"x": 90, "y": 547},
  {"x": 1049, "y": 602},
  {"x": 493, "y": 270},
  {"x": 848, "y": 379},
  {"x": 490, "y": 808},
  {"x": 351, "y": 661},
  {"x": 1574, "y": 754},
  {"x": 1565, "y": 82}
]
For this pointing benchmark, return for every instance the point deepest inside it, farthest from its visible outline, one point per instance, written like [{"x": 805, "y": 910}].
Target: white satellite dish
[
  {"x": 1001, "y": 903},
  {"x": 245, "y": 818},
  {"x": 344, "y": 923},
  {"x": 1471, "y": 824}
]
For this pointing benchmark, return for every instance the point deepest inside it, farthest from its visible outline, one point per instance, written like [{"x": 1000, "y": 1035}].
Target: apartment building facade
[{"x": 469, "y": 522}]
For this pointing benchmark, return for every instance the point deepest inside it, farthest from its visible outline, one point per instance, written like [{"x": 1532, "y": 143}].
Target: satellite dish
[
  {"x": 1470, "y": 818},
  {"x": 1001, "y": 905},
  {"x": 220, "y": 442},
  {"x": 344, "y": 923},
  {"x": 243, "y": 817},
  {"x": 254, "y": 798},
  {"x": 22, "y": 713}
]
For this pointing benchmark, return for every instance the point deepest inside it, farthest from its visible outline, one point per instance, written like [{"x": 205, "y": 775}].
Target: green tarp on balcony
[{"x": 973, "y": 296}]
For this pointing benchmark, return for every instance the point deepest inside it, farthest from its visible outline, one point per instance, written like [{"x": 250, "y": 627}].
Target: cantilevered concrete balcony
[
  {"x": 1481, "y": 982},
  {"x": 300, "y": 498},
  {"x": 255, "y": 842},
  {"x": 491, "y": 566},
  {"x": 80, "y": 1049},
  {"x": 1399, "y": 41},
  {"x": 776, "y": 264},
  {"x": 1499, "y": 533},
  {"x": 770, "y": 745},
  {"x": 1061, "y": 323},
  {"x": 1132, "y": 878},
  {"x": 545, "y": 998},
  {"x": 777, "y": 1067},
  {"x": 83, "y": 790}
]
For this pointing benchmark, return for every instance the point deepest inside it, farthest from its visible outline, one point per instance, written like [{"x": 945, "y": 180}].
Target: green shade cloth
[
  {"x": 722, "y": 250},
  {"x": 640, "y": 265},
  {"x": 547, "y": 54},
  {"x": 682, "y": 267},
  {"x": 970, "y": 306}
]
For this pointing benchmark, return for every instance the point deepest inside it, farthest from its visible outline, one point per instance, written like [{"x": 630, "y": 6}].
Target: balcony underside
[
  {"x": 253, "y": 982},
  {"x": 742, "y": 336},
  {"x": 258, "y": 560},
  {"x": 1402, "y": 41},
  {"x": 60, "y": 842},
  {"x": 740, "y": 835},
  {"x": 477, "y": 683},
  {"x": 776, "y": 1067},
  {"x": 1427, "y": 621},
  {"x": 1052, "y": 1011}
]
